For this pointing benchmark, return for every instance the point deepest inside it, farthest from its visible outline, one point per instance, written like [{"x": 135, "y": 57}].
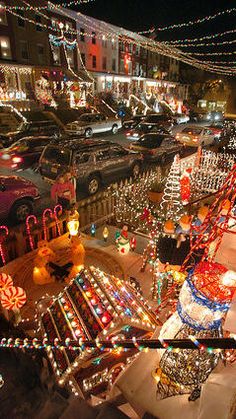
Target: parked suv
[
  {"x": 17, "y": 196},
  {"x": 93, "y": 123},
  {"x": 28, "y": 129},
  {"x": 93, "y": 161}
]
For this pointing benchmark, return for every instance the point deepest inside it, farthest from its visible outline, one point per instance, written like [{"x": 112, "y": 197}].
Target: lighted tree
[{"x": 171, "y": 206}]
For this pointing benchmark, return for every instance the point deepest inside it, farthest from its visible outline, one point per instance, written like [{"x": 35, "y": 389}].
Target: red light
[
  {"x": 105, "y": 318},
  {"x": 17, "y": 160}
]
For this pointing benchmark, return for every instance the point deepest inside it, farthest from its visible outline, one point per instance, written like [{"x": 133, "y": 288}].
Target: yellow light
[
  {"x": 105, "y": 233},
  {"x": 73, "y": 227}
]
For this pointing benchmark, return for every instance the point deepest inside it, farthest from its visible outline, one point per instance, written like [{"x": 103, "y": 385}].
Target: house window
[
  {"x": 104, "y": 63},
  {"x": 40, "y": 50},
  {"x": 122, "y": 66},
  {"x": 93, "y": 38},
  {"x": 56, "y": 54},
  {"x": 5, "y": 48},
  {"x": 53, "y": 23},
  {"x": 113, "y": 43},
  {"x": 69, "y": 30},
  {"x": 113, "y": 64},
  {"x": 83, "y": 59},
  {"x": 94, "y": 61},
  {"x": 39, "y": 21},
  {"x": 130, "y": 46},
  {"x": 82, "y": 37},
  {"x": 24, "y": 50},
  {"x": 70, "y": 57},
  {"x": 122, "y": 46},
  {"x": 20, "y": 20},
  {"x": 104, "y": 41},
  {"x": 3, "y": 15}
]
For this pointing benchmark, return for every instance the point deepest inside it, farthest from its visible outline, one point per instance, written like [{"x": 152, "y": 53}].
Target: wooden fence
[{"x": 98, "y": 209}]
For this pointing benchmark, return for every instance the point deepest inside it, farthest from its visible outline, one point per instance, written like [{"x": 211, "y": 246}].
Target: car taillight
[{"x": 17, "y": 160}]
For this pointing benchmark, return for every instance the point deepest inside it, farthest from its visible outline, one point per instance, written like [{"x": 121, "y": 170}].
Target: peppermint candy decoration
[
  {"x": 13, "y": 298},
  {"x": 6, "y": 282}
]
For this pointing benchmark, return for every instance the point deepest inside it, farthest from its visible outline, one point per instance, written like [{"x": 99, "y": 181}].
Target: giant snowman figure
[{"x": 195, "y": 384}]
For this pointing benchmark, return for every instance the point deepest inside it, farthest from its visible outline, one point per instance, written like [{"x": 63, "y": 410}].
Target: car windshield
[
  {"x": 194, "y": 131},
  {"x": 86, "y": 118},
  {"x": 57, "y": 155},
  {"x": 156, "y": 118},
  {"x": 150, "y": 141}
]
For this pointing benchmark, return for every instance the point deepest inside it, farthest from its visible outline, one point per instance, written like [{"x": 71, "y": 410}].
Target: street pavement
[{"x": 44, "y": 187}]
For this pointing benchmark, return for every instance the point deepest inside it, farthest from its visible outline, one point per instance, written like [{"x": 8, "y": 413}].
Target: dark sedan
[
  {"x": 133, "y": 122},
  {"x": 156, "y": 147},
  {"x": 24, "y": 154},
  {"x": 144, "y": 128}
]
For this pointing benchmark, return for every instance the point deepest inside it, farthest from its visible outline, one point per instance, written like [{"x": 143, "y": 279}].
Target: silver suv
[
  {"x": 93, "y": 123},
  {"x": 94, "y": 162}
]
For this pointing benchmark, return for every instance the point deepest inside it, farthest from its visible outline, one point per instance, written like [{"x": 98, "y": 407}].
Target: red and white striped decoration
[
  {"x": 6, "y": 281},
  {"x": 13, "y": 298}
]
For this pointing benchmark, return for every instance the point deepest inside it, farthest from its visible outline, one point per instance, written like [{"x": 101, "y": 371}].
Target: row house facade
[{"x": 64, "y": 54}]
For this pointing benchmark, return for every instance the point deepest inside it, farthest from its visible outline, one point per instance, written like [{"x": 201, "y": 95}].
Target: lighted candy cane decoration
[
  {"x": 6, "y": 281},
  {"x": 35, "y": 221},
  {"x": 45, "y": 212},
  {"x": 57, "y": 210},
  {"x": 1, "y": 248},
  {"x": 13, "y": 298}
]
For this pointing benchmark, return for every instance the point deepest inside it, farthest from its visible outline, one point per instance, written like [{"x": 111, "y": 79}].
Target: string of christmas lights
[
  {"x": 150, "y": 45},
  {"x": 45, "y": 7},
  {"x": 191, "y": 22},
  {"x": 205, "y": 44},
  {"x": 202, "y": 38}
]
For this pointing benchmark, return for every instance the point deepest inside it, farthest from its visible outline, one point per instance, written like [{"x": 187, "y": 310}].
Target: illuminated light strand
[
  {"x": 46, "y": 212},
  {"x": 75, "y": 345},
  {"x": 191, "y": 22},
  {"x": 57, "y": 210},
  {"x": 6, "y": 231},
  {"x": 55, "y": 6},
  {"x": 205, "y": 44},
  {"x": 151, "y": 45},
  {"x": 202, "y": 38},
  {"x": 35, "y": 221},
  {"x": 211, "y": 53}
]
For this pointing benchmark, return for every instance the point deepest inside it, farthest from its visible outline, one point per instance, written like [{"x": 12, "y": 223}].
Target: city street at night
[{"x": 117, "y": 209}]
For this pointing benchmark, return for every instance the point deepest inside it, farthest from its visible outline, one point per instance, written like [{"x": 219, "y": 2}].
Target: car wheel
[
  {"x": 135, "y": 170},
  {"x": 114, "y": 129},
  {"x": 88, "y": 133},
  {"x": 93, "y": 185},
  {"x": 21, "y": 210}
]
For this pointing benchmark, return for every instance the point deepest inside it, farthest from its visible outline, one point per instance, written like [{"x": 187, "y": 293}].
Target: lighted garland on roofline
[
  {"x": 148, "y": 44},
  {"x": 52, "y": 5},
  {"x": 58, "y": 41}
]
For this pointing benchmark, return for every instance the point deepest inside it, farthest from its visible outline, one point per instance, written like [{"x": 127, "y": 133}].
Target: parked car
[
  {"x": 133, "y": 122},
  {"x": 195, "y": 136},
  {"x": 93, "y": 162},
  {"x": 93, "y": 123},
  {"x": 164, "y": 120},
  {"x": 144, "y": 128},
  {"x": 24, "y": 153},
  {"x": 181, "y": 118},
  {"x": 206, "y": 116},
  {"x": 17, "y": 196},
  {"x": 27, "y": 129},
  {"x": 156, "y": 146}
]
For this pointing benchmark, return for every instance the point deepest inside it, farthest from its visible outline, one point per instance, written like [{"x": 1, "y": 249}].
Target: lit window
[
  {"x": 70, "y": 57},
  {"x": 5, "y": 48},
  {"x": 3, "y": 15},
  {"x": 56, "y": 54},
  {"x": 69, "y": 30},
  {"x": 104, "y": 41}
]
